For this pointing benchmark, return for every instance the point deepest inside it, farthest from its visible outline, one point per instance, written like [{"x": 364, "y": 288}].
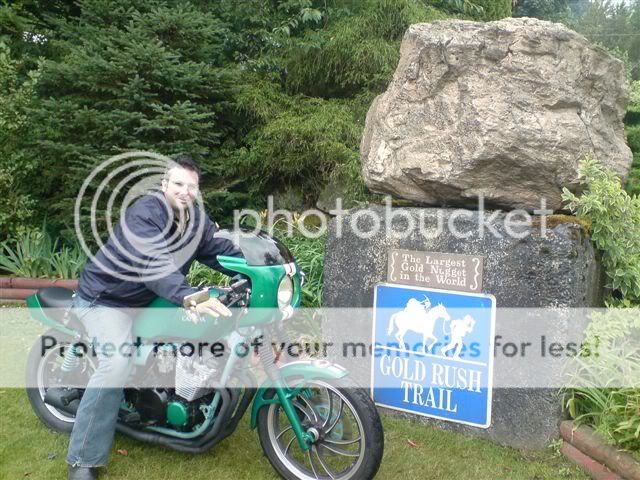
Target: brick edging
[
  {"x": 19, "y": 288},
  {"x": 584, "y": 444}
]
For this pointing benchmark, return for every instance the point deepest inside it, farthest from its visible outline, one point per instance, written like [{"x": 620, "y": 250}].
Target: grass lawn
[{"x": 29, "y": 450}]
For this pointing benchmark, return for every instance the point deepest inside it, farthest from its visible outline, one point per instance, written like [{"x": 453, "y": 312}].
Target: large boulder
[{"x": 503, "y": 109}]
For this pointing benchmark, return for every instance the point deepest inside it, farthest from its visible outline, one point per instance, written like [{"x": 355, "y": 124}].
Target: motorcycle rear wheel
[
  {"x": 43, "y": 372},
  {"x": 351, "y": 439}
]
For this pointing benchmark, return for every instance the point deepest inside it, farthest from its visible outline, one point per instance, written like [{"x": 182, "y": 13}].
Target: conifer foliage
[
  {"x": 146, "y": 75},
  {"x": 267, "y": 96}
]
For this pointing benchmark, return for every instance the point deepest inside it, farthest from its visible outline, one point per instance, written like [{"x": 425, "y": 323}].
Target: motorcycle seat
[
  {"x": 57, "y": 301},
  {"x": 55, "y": 297}
]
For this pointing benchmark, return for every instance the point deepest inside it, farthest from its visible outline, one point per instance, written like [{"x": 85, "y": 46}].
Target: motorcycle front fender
[{"x": 307, "y": 369}]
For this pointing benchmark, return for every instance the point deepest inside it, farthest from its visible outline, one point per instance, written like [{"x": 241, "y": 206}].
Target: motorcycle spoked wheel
[
  {"x": 43, "y": 372},
  {"x": 351, "y": 440}
]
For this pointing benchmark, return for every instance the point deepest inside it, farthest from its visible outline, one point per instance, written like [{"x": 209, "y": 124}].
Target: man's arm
[{"x": 210, "y": 247}]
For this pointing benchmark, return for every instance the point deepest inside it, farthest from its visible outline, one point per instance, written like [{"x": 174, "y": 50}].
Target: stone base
[{"x": 558, "y": 270}]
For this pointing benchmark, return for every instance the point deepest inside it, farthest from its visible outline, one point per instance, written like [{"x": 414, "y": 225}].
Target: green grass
[{"x": 29, "y": 450}]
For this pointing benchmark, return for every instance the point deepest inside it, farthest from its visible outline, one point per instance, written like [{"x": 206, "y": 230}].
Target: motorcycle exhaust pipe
[
  {"x": 64, "y": 399},
  {"x": 68, "y": 400},
  {"x": 179, "y": 444}
]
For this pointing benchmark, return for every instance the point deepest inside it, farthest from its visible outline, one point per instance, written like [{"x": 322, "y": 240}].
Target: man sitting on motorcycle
[{"x": 147, "y": 256}]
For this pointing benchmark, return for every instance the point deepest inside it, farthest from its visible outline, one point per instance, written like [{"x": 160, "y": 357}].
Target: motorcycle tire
[
  {"x": 53, "y": 418},
  {"x": 334, "y": 441}
]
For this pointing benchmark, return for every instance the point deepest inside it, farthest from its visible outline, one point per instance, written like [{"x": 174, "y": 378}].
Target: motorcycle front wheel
[{"x": 350, "y": 439}]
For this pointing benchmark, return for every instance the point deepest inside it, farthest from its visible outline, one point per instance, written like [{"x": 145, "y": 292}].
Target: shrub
[
  {"x": 615, "y": 219},
  {"x": 228, "y": 82},
  {"x": 16, "y": 207},
  {"x": 33, "y": 254},
  {"x": 147, "y": 76},
  {"x": 200, "y": 276},
  {"x": 16, "y": 168},
  {"x": 633, "y": 137},
  {"x": 309, "y": 255},
  {"x": 613, "y": 337},
  {"x": 301, "y": 145},
  {"x": 632, "y": 129},
  {"x": 355, "y": 52},
  {"x": 632, "y": 117},
  {"x": 633, "y": 182},
  {"x": 612, "y": 411},
  {"x": 494, "y": 9}
]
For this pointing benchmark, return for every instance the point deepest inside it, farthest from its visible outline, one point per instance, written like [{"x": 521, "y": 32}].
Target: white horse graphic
[
  {"x": 417, "y": 320},
  {"x": 459, "y": 328}
]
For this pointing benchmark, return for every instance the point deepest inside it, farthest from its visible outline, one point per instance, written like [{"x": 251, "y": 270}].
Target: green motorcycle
[{"x": 312, "y": 421}]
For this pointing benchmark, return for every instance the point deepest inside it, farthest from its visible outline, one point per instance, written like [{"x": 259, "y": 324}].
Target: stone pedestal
[{"x": 556, "y": 268}]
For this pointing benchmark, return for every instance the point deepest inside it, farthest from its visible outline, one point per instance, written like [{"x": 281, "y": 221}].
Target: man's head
[{"x": 181, "y": 182}]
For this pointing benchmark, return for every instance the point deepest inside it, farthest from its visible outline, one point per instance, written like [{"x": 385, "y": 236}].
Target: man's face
[{"x": 180, "y": 188}]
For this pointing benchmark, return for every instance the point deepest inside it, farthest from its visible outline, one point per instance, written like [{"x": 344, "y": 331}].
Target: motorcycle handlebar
[{"x": 234, "y": 293}]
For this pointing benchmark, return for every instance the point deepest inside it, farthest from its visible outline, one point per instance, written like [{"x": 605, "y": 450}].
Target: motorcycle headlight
[{"x": 285, "y": 291}]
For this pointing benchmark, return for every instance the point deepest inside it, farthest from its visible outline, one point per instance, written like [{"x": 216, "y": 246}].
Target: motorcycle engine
[
  {"x": 194, "y": 375},
  {"x": 150, "y": 403},
  {"x": 178, "y": 407},
  {"x": 161, "y": 406}
]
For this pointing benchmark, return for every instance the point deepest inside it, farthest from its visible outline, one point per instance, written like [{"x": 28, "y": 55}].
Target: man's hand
[{"x": 213, "y": 307}]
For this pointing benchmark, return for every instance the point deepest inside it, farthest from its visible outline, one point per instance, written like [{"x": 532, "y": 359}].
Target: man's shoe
[{"x": 82, "y": 473}]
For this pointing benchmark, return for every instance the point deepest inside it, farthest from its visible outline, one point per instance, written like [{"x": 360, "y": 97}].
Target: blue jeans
[{"x": 96, "y": 418}]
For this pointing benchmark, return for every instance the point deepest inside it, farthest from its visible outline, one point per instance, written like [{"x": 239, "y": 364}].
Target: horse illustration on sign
[{"x": 417, "y": 317}]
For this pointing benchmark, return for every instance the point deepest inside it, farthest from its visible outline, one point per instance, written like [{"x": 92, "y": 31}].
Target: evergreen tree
[
  {"x": 267, "y": 95},
  {"x": 543, "y": 9},
  {"x": 142, "y": 76}
]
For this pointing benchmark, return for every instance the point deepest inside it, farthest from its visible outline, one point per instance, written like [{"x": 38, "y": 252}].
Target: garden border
[
  {"x": 586, "y": 448},
  {"x": 19, "y": 288}
]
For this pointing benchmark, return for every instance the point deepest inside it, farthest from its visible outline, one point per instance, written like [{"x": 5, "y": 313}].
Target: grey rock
[
  {"x": 503, "y": 109},
  {"x": 291, "y": 199},
  {"x": 335, "y": 189},
  {"x": 557, "y": 270}
]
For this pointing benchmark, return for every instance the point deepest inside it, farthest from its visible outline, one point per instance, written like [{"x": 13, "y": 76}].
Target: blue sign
[{"x": 433, "y": 353}]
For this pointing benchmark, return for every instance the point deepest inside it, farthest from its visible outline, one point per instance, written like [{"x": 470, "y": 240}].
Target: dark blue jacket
[{"x": 102, "y": 280}]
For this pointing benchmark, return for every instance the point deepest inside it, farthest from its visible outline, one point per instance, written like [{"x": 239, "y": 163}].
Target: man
[{"x": 148, "y": 255}]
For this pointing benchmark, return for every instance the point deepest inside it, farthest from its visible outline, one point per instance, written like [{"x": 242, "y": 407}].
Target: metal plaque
[{"x": 447, "y": 271}]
